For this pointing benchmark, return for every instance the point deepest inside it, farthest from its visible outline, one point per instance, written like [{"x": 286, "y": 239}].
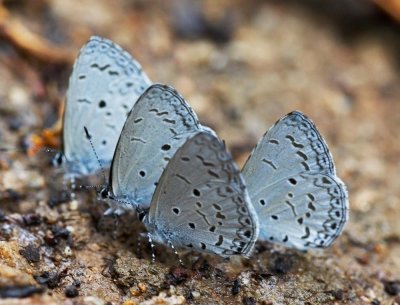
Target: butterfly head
[
  {"x": 58, "y": 159},
  {"x": 104, "y": 193},
  {"x": 141, "y": 215}
]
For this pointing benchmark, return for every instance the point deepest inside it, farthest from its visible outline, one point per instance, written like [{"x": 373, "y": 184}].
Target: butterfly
[
  {"x": 158, "y": 124},
  {"x": 292, "y": 182},
  {"x": 104, "y": 85},
  {"x": 201, "y": 201}
]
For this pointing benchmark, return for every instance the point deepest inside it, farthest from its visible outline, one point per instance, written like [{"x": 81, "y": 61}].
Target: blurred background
[{"x": 241, "y": 65}]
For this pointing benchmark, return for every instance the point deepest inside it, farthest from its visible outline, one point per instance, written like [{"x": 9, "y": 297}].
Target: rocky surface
[{"x": 241, "y": 65}]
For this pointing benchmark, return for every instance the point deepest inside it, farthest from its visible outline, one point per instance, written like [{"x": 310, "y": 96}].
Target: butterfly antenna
[
  {"x": 51, "y": 150},
  {"x": 87, "y": 187},
  {"x": 88, "y": 136}
]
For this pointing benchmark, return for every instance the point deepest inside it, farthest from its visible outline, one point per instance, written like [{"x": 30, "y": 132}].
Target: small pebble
[
  {"x": 70, "y": 229},
  {"x": 281, "y": 263},
  {"x": 172, "y": 289},
  {"x": 338, "y": 294},
  {"x": 32, "y": 219},
  {"x": 195, "y": 294},
  {"x": 92, "y": 300},
  {"x": 2, "y": 216},
  {"x": 392, "y": 287},
  {"x": 13, "y": 194},
  {"x": 15, "y": 124},
  {"x": 249, "y": 301},
  {"x": 18, "y": 97},
  {"x": 142, "y": 287},
  {"x": 236, "y": 287},
  {"x": 67, "y": 251},
  {"x": 177, "y": 275},
  {"x": 60, "y": 232},
  {"x": 31, "y": 253},
  {"x": 73, "y": 205},
  {"x": 19, "y": 291},
  {"x": 71, "y": 291},
  {"x": 134, "y": 291},
  {"x": 50, "y": 279}
]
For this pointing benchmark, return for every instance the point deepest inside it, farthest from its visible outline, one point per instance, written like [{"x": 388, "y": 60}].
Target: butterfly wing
[
  {"x": 293, "y": 185},
  {"x": 201, "y": 201},
  {"x": 104, "y": 85},
  {"x": 159, "y": 123}
]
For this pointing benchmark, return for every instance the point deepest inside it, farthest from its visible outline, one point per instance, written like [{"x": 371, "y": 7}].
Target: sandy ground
[{"x": 241, "y": 65}]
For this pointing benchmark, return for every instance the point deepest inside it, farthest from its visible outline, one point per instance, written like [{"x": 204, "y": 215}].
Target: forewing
[
  {"x": 293, "y": 186},
  {"x": 201, "y": 201},
  {"x": 104, "y": 85},
  {"x": 159, "y": 123},
  {"x": 293, "y": 145}
]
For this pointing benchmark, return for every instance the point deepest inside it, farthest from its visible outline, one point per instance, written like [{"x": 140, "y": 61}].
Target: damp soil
[{"x": 241, "y": 65}]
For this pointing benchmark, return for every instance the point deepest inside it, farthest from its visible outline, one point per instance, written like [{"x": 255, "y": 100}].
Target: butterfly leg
[
  {"x": 73, "y": 187},
  {"x": 226, "y": 259},
  {"x": 153, "y": 255},
  {"x": 115, "y": 218},
  {"x": 257, "y": 254},
  {"x": 64, "y": 185},
  {"x": 67, "y": 188},
  {"x": 176, "y": 253},
  {"x": 139, "y": 246}
]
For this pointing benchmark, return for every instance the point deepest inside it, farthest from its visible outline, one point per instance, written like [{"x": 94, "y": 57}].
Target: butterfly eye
[
  {"x": 141, "y": 215},
  {"x": 58, "y": 159},
  {"x": 104, "y": 193}
]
